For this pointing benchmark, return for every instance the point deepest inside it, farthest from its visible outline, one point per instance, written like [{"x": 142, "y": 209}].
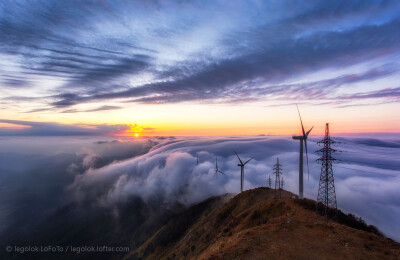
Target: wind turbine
[
  {"x": 197, "y": 162},
  {"x": 302, "y": 138},
  {"x": 216, "y": 166},
  {"x": 241, "y": 164}
]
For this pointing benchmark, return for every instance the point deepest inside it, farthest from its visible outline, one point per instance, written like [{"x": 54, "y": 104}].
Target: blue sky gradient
[{"x": 58, "y": 54}]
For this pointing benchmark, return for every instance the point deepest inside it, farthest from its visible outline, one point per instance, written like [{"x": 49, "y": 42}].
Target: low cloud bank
[
  {"x": 365, "y": 176},
  {"x": 163, "y": 172},
  {"x": 169, "y": 172},
  {"x": 35, "y": 172}
]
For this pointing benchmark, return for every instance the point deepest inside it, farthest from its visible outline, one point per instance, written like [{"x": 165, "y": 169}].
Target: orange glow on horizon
[
  {"x": 228, "y": 120},
  {"x": 13, "y": 126},
  {"x": 286, "y": 130}
]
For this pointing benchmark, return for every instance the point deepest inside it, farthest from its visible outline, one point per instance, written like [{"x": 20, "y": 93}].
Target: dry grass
[{"x": 254, "y": 225}]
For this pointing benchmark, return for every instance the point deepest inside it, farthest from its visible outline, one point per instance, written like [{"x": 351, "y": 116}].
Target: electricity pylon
[
  {"x": 326, "y": 192},
  {"x": 277, "y": 172},
  {"x": 269, "y": 181}
]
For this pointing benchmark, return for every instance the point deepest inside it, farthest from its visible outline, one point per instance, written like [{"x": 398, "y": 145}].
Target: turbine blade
[
  {"x": 221, "y": 172},
  {"x": 248, "y": 161},
  {"x": 308, "y": 168},
  {"x": 238, "y": 158},
  {"x": 216, "y": 163},
  {"x": 301, "y": 121},
  {"x": 309, "y": 131}
]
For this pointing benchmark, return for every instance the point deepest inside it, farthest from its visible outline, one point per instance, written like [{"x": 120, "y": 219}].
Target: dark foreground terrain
[
  {"x": 251, "y": 225},
  {"x": 254, "y": 225}
]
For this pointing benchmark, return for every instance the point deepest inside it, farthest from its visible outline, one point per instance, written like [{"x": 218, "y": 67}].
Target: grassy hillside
[{"x": 255, "y": 225}]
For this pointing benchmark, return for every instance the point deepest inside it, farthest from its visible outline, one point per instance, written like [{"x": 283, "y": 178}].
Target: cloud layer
[
  {"x": 69, "y": 53},
  {"x": 106, "y": 172}
]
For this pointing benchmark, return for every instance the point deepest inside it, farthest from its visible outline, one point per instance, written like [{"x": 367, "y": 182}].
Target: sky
[
  {"x": 80, "y": 79},
  {"x": 198, "y": 68}
]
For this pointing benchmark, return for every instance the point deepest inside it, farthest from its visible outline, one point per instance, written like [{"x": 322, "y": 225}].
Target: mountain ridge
[{"x": 255, "y": 225}]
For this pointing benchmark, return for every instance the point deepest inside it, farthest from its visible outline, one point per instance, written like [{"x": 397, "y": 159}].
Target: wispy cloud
[
  {"x": 57, "y": 129},
  {"x": 192, "y": 55},
  {"x": 101, "y": 108}
]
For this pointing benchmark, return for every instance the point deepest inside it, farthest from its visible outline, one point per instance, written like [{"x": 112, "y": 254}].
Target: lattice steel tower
[
  {"x": 269, "y": 181},
  {"x": 326, "y": 192},
  {"x": 277, "y": 172}
]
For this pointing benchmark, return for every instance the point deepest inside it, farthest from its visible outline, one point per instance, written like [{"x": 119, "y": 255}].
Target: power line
[
  {"x": 373, "y": 154},
  {"x": 368, "y": 152},
  {"x": 393, "y": 166},
  {"x": 366, "y": 171}
]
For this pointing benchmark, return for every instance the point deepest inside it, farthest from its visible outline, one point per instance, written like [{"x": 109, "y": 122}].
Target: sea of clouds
[{"x": 40, "y": 174}]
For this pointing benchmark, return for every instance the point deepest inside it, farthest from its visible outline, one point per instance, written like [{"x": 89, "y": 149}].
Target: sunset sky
[{"x": 198, "y": 67}]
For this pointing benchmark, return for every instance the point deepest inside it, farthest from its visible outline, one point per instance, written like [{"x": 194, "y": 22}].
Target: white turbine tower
[
  {"x": 241, "y": 164},
  {"x": 302, "y": 138},
  {"x": 216, "y": 167}
]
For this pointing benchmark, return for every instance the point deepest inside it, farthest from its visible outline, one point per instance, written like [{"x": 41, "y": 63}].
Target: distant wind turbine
[
  {"x": 216, "y": 167},
  {"x": 302, "y": 138},
  {"x": 241, "y": 164}
]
